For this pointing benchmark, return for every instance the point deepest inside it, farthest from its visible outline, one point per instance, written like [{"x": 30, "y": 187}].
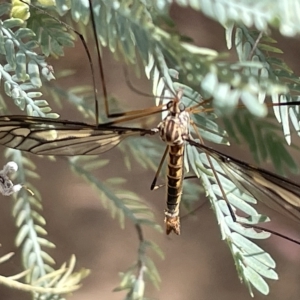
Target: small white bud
[
  {"x": 6, "y": 186},
  {"x": 10, "y": 167}
]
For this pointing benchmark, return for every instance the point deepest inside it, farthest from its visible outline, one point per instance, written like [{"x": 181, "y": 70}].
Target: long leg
[
  {"x": 153, "y": 184},
  {"x": 131, "y": 115}
]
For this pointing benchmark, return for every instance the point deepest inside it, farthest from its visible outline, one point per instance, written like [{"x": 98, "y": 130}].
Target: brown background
[{"x": 197, "y": 265}]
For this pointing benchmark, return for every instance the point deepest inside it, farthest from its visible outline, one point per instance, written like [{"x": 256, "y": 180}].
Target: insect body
[
  {"x": 44, "y": 136},
  {"x": 174, "y": 129}
]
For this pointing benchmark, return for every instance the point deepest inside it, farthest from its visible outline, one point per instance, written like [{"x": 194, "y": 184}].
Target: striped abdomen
[
  {"x": 174, "y": 130},
  {"x": 174, "y": 189}
]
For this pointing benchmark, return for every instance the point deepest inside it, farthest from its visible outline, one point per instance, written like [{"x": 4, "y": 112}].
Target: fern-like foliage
[
  {"x": 276, "y": 69},
  {"x": 124, "y": 204},
  {"x": 41, "y": 279},
  {"x": 21, "y": 75},
  {"x": 261, "y": 15},
  {"x": 135, "y": 30},
  {"x": 66, "y": 281},
  {"x": 200, "y": 67},
  {"x": 253, "y": 263}
]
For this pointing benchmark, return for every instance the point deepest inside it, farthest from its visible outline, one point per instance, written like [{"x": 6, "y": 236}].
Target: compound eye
[
  {"x": 181, "y": 107},
  {"x": 170, "y": 104}
]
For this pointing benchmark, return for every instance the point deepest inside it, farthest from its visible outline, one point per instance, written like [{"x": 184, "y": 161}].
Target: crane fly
[{"x": 43, "y": 136}]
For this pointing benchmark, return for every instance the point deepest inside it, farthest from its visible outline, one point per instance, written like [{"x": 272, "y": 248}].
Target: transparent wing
[
  {"x": 43, "y": 136},
  {"x": 275, "y": 191}
]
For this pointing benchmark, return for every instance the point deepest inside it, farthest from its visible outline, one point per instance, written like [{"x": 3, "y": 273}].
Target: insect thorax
[{"x": 174, "y": 129}]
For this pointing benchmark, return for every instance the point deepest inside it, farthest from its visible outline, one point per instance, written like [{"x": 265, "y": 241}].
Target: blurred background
[{"x": 197, "y": 264}]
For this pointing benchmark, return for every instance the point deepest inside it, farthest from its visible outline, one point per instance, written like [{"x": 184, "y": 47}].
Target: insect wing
[
  {"x": 275, "y": 191},
  {"x": 44, "y": 136}
]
